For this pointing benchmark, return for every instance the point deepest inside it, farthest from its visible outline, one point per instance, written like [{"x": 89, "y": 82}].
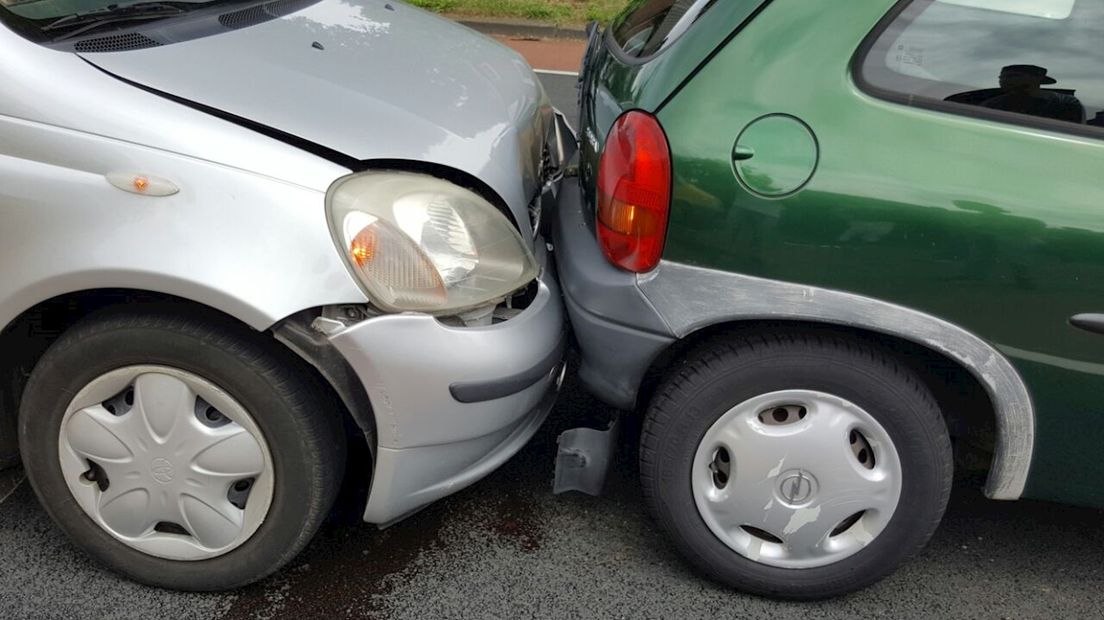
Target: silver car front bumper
[{"x": 453, "y": 404}]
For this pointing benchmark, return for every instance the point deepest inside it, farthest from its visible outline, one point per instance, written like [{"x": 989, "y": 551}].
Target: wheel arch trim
[
  {"x": 257, "y": 308},
  {"x": 692, "y": 298},
  {"x": 289, "y": 333}
]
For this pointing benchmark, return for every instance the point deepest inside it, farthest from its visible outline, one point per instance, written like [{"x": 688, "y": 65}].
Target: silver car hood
[{"x": 372, "y": 80}]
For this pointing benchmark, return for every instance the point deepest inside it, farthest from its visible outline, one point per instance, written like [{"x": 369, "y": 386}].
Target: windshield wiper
[{"x": 87, "y": 20}]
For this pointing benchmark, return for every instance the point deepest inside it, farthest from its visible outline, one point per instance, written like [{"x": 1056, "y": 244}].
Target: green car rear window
[
  {"x": 1020, "y": 61},
  {"x": 647, "y": 27}
]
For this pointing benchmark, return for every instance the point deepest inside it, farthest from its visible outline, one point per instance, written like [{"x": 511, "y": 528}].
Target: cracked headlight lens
[{"x": 419, "y": 243}]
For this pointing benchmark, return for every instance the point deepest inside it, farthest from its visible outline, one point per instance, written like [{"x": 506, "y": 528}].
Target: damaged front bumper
[{"x": 452, "y": 404}]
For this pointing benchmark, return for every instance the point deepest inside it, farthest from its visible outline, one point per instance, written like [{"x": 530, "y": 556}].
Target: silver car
[{"x": 240, "y": 241}]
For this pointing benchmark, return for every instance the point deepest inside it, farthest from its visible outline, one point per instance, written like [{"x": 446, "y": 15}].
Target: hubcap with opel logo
[{"x": 796, "y": 479}]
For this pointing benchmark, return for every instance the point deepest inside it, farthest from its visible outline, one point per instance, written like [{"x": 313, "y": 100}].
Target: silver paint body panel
[
  {"x": 430, "y": 445},
  {"x": 255, "y": 247},
  {"x": 399, "y": 84},
  {"x": 247, "y": 234},
  {"x": 246, "y": 201}
]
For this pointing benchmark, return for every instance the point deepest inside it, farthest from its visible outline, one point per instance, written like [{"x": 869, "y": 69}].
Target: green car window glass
[
  {"x": 1007, "y": 58},
  {"x": 646, "y": 27}
]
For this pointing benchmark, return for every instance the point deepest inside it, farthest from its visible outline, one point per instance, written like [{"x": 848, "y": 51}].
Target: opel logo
[
  {"x": 796, "y": 487},
  {"x": 162, "y": 470}
]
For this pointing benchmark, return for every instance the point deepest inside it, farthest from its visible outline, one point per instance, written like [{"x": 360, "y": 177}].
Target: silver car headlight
[{"x": 419, "y": 243}]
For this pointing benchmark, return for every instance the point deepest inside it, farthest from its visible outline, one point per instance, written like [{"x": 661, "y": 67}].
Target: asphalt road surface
[
  {"x": 508, "y": 548},
  {"x": 562, "y": 90}
]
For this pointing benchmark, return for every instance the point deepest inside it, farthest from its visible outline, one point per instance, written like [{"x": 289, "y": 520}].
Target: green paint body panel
[{"x": 994, "y": 227}]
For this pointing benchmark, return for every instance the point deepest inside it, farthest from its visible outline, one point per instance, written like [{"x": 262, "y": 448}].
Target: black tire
[
  {"x": 733, "y": 369},
  {"x": 300, "y": 423},
  {"x": 9, "y": 447}
]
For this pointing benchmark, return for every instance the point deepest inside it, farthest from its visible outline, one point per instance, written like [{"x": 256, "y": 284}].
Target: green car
[{"x": 835, "y": 251}]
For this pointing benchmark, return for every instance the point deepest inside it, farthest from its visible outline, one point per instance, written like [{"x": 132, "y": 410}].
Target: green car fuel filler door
[{"x": 776, "y": 155}]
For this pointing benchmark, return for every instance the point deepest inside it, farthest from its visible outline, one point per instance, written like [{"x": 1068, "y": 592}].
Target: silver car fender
[
  {"x": 246, "y": 235},
  {"x": 251, "y": 246}
]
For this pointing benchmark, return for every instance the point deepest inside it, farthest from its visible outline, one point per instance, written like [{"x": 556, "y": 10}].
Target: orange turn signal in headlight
[
  {"x": 363, "y": 247},
  {"x": 382, "y": 254}
]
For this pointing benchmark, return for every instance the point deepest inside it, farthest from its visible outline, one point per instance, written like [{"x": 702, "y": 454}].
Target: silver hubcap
[
  {"x": 796, "y": 479},
  {"x": 166, "y": 462}
]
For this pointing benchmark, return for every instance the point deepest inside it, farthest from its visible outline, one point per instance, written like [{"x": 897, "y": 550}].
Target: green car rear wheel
[{"x": 796, "y": 466}]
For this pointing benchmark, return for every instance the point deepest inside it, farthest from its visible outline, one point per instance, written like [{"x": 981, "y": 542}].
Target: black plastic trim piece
[
  {"x": 261, "y": 13},
  {"x": 615, "y": 48},
  {"x": 296, "y": 333},
  {"x": 947, "y": 107},
  {"x": 197, "y": 22},
  {"x": 115, "y": 43},
  {"x": 482, "y": 391}
]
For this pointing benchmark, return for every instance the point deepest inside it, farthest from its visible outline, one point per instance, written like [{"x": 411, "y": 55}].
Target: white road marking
[
  {"x": 9, "y": 482},
  {"x": 552, "y": 72}
]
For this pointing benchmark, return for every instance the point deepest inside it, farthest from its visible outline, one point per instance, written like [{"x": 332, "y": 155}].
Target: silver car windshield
[
  {"x": 56, "y": 21},
  {"x": 52, "y": 9}
]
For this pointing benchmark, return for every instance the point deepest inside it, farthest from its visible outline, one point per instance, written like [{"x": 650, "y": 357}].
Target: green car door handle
[
  {"x": 743, "y": 153},
  {"x": 1089, "y": 322}
]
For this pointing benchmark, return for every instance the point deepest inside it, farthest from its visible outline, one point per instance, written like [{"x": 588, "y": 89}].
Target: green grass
[{"x": 553, "y": 11}]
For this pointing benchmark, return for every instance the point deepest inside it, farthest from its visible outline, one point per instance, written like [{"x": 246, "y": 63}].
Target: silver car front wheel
[
  {"x": 180, "y": 448},
  {"x": 166, "y": 462}
]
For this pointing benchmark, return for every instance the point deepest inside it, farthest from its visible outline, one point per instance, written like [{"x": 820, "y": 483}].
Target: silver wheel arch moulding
[{"x": 690, "y": 298}]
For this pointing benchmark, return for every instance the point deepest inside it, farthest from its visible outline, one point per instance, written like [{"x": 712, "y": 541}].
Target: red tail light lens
[{"x": 634, "y": 192}]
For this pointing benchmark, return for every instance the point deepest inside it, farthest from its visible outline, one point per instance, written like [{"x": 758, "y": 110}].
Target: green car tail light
[{"x": 634, "y": 192}]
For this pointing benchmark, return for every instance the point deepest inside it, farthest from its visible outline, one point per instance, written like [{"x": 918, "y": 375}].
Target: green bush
[
  {"x": 440, "y": 6},
  {"x": 555, "y": 11}
]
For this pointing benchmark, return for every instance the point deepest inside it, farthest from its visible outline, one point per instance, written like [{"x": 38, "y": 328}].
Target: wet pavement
[{"x": 9, "y": 481}]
